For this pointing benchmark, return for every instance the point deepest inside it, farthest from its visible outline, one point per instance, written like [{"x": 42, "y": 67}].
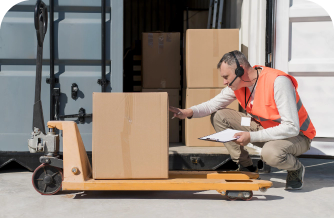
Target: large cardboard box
[
  {"x": 199, "y": 127},
  {"x": 130, "y": 135},
  {"x": 204, "y": 49},
  {"x": 196, "y": 20},
  {"x": 161, "y": 61},
  {"x": 174, "y": 100}
]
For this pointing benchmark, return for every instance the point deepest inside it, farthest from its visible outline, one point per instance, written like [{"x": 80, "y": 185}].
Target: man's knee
[
  {"x": 220, "y": 116},
  {"x": 272, "y": 155}
]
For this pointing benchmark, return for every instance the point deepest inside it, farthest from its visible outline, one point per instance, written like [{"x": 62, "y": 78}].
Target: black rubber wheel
[
  {"x": 248, "y": 198},
  {"x": 239, "y": 195},
  {"x": 47, "y": 180},
  {"x": 230, "y": 197}
]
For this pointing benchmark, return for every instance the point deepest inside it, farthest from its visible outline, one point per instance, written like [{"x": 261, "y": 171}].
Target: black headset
[{"x": 239, "y": 71}]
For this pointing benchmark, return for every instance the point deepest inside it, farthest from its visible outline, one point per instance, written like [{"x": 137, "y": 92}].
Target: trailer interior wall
[
  {"x": 304, "y": 49},
  {"x": 161, "y": 15},
  {"x": 156, "y": 15},
  {"x": 170, "y": 16}
]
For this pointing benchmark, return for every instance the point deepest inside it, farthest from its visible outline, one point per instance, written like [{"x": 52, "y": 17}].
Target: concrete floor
[{"x": 19, "y": 199}]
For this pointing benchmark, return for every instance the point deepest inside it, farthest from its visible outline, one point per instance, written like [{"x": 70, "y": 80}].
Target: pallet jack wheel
[
  {"x": 241, "y": 195},
  {"x": 231, "y": 198},
  {"x": 249, "y": 197},
  {"x": 47, "y": 180}
]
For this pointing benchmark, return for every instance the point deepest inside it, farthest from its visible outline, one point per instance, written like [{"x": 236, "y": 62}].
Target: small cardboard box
[
  {"x": 199, "y": 127},
  {"x": 161, "y": 61},
  {"x": 130, "y": 136},
  {"x": 204, "y": 49},
  {"x": 174, "y": 100}
]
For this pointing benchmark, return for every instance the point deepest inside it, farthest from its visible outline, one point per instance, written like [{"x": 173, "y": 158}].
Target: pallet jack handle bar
[
  {"x": 41, "y": 25},
  {"x": 41, "y": 17}
]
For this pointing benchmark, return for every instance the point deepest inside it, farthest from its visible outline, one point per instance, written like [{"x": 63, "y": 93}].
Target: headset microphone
[{"x": 233, "y": 81}]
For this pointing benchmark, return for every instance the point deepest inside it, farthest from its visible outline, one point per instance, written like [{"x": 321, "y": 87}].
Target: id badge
[{"x": 245, "y": 121}]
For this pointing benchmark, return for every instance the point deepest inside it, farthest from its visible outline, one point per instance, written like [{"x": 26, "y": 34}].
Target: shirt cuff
[
  {"x": 195, "y": 112},
  {"x": 254, "y": 137}
]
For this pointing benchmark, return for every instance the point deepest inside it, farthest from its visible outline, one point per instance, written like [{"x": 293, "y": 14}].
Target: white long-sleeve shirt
[{"x": 285, "y": 99}]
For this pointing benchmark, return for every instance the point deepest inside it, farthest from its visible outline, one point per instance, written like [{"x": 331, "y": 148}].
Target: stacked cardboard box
[
  {"x": 199, "y": 127},
  {"x": 204, "y": 49},
  {"x": 194, "y": 20},
  {"x": 161, "y": 60},
  {"x": 161, "y": 70},
  {"x": 130, "y": 136}
]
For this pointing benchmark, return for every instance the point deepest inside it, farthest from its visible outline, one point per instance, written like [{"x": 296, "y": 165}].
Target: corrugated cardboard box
[
  {"x": 195, "y": 20},
  {"x": 204, "y": 49},
  {"x": 130, "y": 135},
  {"x": 174, "y": 100},
  {"x": 161, "y": 61},
  {"x": 199, "y": 127}
]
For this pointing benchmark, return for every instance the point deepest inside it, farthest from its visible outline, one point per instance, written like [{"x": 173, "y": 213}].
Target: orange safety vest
[{"x": 264, "y": 108}]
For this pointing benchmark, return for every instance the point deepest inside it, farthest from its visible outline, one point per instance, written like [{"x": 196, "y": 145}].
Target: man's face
[{"x": 228, "y": 74}]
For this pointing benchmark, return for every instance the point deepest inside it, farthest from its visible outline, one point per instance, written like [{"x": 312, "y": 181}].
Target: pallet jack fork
[{"x": 76, "y": 174}]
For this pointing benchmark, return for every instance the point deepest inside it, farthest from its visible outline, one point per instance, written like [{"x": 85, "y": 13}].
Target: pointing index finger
[{"x": 175, "y": 110}]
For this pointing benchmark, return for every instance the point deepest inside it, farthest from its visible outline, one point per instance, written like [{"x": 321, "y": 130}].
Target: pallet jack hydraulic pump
[{"x": 74, "y": 172}]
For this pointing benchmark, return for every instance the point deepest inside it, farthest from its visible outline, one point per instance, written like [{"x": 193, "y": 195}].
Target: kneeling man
[{"x": 277, "y": 119}]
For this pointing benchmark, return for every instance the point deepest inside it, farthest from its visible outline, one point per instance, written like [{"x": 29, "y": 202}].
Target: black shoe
[
  {"x": 295, "y": 179},
  {"x": 251, "y": 168}
]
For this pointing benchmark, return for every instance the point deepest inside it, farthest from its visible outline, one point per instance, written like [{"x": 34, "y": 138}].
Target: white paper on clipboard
[{"x": 223, "y": 136}]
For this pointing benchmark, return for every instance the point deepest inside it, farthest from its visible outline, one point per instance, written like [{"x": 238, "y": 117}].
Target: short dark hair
[{"x": 229, "y": 59}]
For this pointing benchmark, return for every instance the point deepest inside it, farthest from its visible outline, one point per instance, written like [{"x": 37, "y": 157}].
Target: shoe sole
[{"x": 290, "y": 188}]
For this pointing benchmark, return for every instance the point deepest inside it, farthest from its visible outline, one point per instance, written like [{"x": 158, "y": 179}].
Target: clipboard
[{"x": 223, "y": 136}]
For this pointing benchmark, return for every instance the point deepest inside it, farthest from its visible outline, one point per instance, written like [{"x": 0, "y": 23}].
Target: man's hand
[
  {"x": 180, "y": 113},
  {"x": 243, "y": 138}
]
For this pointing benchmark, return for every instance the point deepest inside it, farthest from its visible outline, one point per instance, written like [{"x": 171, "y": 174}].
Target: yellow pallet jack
[
  {"x": 76, "y": 174},
  {"x": 74, "y": 171}
]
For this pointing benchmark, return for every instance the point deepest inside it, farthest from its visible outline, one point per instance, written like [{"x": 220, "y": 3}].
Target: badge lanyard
[{"x": 246, "y": 102}]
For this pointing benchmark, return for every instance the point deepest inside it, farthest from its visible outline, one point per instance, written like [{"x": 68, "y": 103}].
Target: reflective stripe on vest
[
  {"x": 306, "y": 123},
  {"x": 299, "y": 104},
  {"x": 303, "y": 127},
  {"x": 263, "y": 119}
]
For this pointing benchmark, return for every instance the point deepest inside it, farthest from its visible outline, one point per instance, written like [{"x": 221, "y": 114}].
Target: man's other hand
[
  {"x": 243, "y": 138},
  {"x": 181, "y": 113}
]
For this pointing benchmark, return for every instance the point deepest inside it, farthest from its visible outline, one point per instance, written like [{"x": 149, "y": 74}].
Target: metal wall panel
[
  {"x": 77, "y": 32},
  {"x": 304, "y": 49}
]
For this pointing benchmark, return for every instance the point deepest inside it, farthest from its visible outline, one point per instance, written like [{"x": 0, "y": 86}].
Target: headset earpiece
[{"x": 239, "y": 71}]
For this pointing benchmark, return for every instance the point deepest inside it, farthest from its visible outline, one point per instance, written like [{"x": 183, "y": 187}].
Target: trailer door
[
  {"x": 304, "y": 48},
  {"x": 77, "y": 37}
]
